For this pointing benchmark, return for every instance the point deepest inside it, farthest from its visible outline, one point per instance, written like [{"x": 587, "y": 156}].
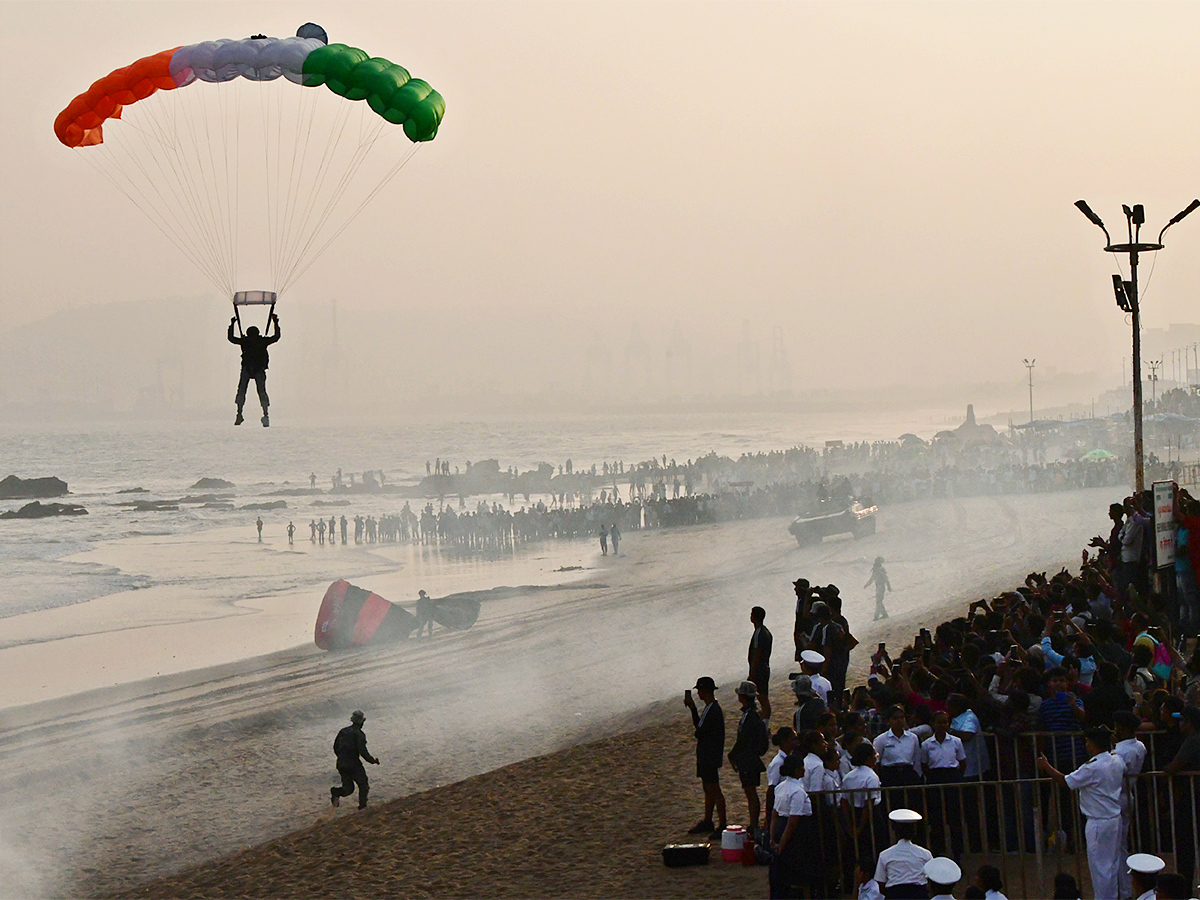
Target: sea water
[{"x": 109, "y": 467}]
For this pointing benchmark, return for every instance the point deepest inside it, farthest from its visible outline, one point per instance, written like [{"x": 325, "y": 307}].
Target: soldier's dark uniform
[{"x": 350, "y": 747}]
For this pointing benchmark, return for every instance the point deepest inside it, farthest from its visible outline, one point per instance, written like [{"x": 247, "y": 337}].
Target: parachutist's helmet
[
  {"x": 357, "y": 717},
  {"x": 252, "y": 331}
]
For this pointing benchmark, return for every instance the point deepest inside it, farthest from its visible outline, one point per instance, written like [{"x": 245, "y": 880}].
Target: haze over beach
[{"x": 702, "y": 242}]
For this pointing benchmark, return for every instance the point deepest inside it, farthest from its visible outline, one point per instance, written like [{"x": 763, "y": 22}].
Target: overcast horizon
[{"x": 855, "y": 194}]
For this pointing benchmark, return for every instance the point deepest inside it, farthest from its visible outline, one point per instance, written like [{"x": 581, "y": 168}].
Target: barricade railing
[{"x": 1029, "y": 828}]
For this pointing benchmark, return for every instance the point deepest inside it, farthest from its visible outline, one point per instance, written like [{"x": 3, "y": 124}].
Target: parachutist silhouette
[{"x": 254, "y": 364}]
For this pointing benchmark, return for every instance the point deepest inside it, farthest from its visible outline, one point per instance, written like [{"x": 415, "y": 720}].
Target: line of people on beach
[{"x": 1062, "y": 717}]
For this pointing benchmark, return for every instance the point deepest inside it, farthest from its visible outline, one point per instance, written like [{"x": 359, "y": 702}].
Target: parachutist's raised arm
[
  {"x": 230, "y": 335},
  {"x": 273, "y": 338}
]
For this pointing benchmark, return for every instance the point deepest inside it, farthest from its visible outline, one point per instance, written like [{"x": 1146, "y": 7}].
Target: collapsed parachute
[
  {"x": 351, "y": 616},
  {"x": 189, "y": 158}
]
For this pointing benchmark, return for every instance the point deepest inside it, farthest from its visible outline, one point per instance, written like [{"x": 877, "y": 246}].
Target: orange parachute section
[
  {"x": 351, "y": 616},
  {"x": 81, "y": 123}
]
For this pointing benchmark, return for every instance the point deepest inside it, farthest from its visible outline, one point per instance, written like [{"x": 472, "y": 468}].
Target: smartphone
[
  {"x": 687, "y": 695},
  {"x": 881, "y": 646}
]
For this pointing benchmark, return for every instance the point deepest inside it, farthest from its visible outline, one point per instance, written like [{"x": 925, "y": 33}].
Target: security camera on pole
[{"x": 1127, "y": 298}]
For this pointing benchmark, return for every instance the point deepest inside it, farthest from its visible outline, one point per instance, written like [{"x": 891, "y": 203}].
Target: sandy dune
[{"x": 105, "y": 790}]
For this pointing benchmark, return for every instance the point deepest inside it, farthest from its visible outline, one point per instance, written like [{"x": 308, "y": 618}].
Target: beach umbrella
[{"x": 1097, "y": 455}]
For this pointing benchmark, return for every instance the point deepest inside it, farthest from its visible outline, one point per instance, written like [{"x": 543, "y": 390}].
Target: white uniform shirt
[
  {"x": 791, "y": 799},
  {"x": 1133, "y": 754},
  {"x": 813, "y": 766},
  {"x": 1149, "y": 895},
  {"x": 829, "y": 780},
  {"x": 945, "y": 755},
  {"x": 869, "y": 890},
  {"x": 902, "y": 863},
  {"x": 773, "y": 767},
  {"x": 821, "y": 687},
  {"x": 1099, "y": 781},
  {"x": 895, "y": 751},
  {"x": 994, "y": 895},
  {"x": 863, "y": 777}
]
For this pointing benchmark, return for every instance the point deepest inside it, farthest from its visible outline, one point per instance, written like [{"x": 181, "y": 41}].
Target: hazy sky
[{"x": 891, "y": 184}]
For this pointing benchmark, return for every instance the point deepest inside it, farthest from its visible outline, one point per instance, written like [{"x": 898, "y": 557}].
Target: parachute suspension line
[
  {"x": 213, "y": 195},
  {"x": 367, "y": 137},
  {"x": 295, "y": 237},
  {"x": 146, "y": 207},
  {"x": 265, "y": 104},
  {"x": 163, "y": 213},
  {"x": 312, "y": 258},
  {"x": 306, "y": 109}
]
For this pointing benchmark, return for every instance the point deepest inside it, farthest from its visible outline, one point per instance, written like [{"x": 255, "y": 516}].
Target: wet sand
[{"x": 105, "y": 791}]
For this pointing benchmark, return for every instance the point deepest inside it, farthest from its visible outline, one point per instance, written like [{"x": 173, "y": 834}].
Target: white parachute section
[{"x": 250, "y": 177}]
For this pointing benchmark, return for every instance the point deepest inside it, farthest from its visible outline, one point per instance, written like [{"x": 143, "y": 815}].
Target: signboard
[{"x": 1164, "y": 524}]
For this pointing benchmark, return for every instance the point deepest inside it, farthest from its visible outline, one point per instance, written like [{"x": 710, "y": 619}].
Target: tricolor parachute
[
  {"x": 244, "y": 170},
  {"x": 351, "y": 616}
]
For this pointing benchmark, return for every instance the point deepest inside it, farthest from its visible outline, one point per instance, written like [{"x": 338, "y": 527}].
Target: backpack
[
  {"x": 762, "y": 743},
  {"x": 343, "y": 744}
]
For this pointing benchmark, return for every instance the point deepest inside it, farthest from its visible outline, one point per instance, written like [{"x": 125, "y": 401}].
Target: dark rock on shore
[
  {"x": 274, "y": 504},
  {"x": 14, "y": 488},
  {"x": 36, "y": 510},
  {"x": 211, "y": 484}
]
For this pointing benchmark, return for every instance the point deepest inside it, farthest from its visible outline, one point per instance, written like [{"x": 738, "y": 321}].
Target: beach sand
[{"x": 105, "y": 791}]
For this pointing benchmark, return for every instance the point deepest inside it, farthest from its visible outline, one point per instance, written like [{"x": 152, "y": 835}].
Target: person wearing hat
[
  {"x": 942, "y": 874},
  {"x": 1099, "y": 782},
  {"x": 1143, "y": 870},
  {"x": 748, "y": 748},
  {"x": 803, "y": 617},
  {"x": 809, "y": 706},
  {"x": 811, "y": 663},
  {"x": 709, "y": 726},
  {"x": 901, "y": 867},
  {"x": 350, "y": 747},
  {"x": 879, "y": 578}
]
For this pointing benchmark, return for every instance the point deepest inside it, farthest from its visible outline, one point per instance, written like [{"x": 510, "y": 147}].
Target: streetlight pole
[
  {"x": 1154, "y": 365},
  {"x": 1029, "y": 364},
  {"x": 1127, "y": 298}
]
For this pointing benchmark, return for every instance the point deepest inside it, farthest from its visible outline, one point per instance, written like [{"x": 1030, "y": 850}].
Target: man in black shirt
[
  {"x": 254, "y": 364},
  {"x": 350, "y": 747},
  {"x": 759, "y": 658}
]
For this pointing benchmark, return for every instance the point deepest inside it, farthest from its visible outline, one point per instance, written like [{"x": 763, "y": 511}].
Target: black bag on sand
[{"x": 676, "y": 855}]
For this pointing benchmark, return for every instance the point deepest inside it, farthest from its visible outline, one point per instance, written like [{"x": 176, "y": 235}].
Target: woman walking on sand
[{"x": 880, "y": 579}]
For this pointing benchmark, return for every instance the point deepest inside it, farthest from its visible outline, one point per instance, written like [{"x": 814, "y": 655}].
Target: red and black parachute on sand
[{"x": 354, "y": 617}]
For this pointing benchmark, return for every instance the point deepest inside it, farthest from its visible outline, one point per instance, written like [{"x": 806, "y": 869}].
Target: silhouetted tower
[
  {"x": 747, "y": 357},
  {"x": 779, "y": 371}
]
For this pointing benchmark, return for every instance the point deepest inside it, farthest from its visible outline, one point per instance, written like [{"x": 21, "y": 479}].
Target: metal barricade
[{"x": 1030, "y": 828}]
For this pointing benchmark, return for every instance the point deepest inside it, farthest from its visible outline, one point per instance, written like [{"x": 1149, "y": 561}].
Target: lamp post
[
  {"x": 1127, "y": 299},
  {"x": 1154, "y": 365},
  {"x": 1029, "y": 364}
]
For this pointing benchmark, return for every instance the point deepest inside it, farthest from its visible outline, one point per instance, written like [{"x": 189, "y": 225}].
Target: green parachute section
[{"x": 388, "y": 88}]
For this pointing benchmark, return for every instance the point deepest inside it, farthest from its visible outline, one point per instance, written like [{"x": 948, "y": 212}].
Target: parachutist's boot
[
  {"x": 239, "y": 420},
  {"x": 266, "y": 420}
]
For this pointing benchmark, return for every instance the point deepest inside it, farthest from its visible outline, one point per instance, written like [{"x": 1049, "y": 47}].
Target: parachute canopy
[
  {"x": 347, "y": 71},
  {"x": 250, "y": 175},
  {"x": 351, "y": 616}
]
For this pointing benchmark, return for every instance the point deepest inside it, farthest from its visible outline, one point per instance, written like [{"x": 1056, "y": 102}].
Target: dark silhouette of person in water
[{"x": 255, "y": 360}]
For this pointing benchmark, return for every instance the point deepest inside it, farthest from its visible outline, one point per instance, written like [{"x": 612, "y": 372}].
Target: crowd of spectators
[{"x": 1066, "y": 675}]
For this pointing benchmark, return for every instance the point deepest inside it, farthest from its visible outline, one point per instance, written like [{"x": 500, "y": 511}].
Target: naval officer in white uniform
[
  {"x": 1143, "y": 870},
  {"x": 1099, "y": 782}
]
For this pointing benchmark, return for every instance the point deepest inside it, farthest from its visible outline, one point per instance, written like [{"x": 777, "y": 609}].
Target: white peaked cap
[
  {"x": 942, "y": 870},
  {"x": 904, "y": 815},
  {"x": 1146, "y": 863},
  {"x": 812, "y": 657}
]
